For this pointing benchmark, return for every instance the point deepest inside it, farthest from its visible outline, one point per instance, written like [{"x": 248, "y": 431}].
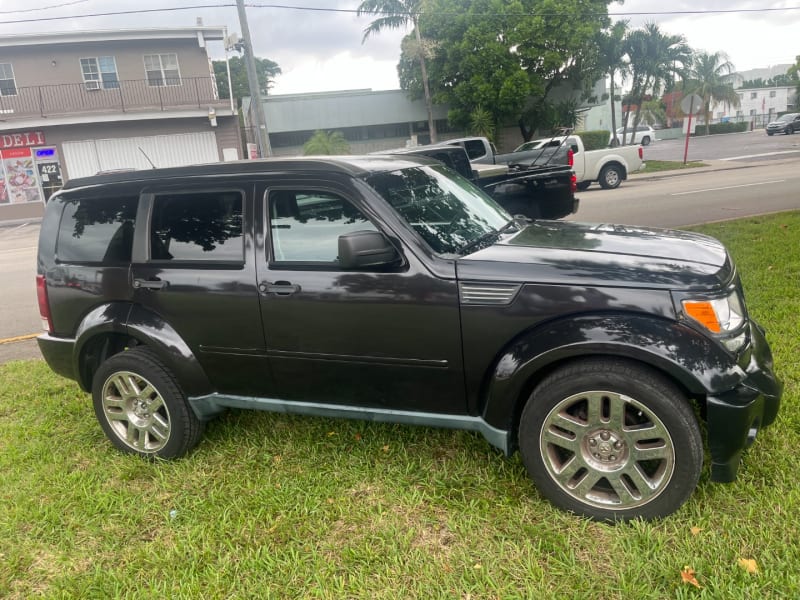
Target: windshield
[{"x": 445, "y": 209}]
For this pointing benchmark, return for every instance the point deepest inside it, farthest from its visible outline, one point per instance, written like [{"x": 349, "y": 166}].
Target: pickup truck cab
[{"x": 391, "y": 289}]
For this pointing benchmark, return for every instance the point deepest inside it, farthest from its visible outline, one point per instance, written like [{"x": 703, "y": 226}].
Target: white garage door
[{"x": 88, "y": 157}]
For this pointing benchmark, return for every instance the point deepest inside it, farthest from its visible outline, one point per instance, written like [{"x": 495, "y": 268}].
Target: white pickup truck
[{"x": 608, "y": 166}]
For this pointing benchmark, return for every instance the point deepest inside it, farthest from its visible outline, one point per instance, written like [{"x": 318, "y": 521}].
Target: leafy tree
[
  {"x": 266, "y": 70},
  {"x": 653, "y": 111},
  {"x": 793, "y": 74},
  {"x": 397, "y": 14},
  {"x": 710, "y": 77},
  {"x": 613, "y": 61},
  {"x": 507, "y": 55},
  {"x": 326, "y": 143},
  {"x": 655, "y": 59}
]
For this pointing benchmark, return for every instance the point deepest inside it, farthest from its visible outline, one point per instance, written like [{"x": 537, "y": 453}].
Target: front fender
[{"x": 698, "y": 363}]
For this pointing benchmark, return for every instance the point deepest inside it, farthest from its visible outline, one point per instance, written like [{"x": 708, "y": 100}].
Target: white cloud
[{"x": 342, "y": 71}]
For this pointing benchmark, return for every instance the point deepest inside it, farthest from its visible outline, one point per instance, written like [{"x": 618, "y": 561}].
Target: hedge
[
  {"x": 594, "y": 140},
  {"x": 716, "y": 128}
]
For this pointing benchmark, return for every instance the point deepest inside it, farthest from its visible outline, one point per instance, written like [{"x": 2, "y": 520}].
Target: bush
[
  {"x": 594, "y": 140},
  {"x": 716, "y": 128}
]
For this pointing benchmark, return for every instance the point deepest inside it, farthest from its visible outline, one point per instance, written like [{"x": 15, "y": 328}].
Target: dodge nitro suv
[{"x": 391, "y": 289}]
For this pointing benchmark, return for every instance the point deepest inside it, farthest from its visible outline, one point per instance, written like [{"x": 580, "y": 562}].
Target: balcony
[{"x": 138, "y": 95}]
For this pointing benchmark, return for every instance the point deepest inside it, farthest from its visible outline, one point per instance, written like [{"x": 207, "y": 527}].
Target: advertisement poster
[{"x": 21, "y": 183}]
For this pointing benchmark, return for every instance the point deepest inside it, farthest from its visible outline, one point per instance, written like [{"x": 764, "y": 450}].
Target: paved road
[
  {"x": 19, "y": 314},
  {"x": 754, "y": 146},
  {"x": 680, "y": 198}
]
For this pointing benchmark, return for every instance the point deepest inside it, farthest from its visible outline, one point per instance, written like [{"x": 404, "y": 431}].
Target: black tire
[
  {"x": 610, "y": 177},
  {"x": 583, "y": 185},
  {"x": 769, "y": 133},
  {"x": 141, "y": 407},
  {"x": 583, "y": 462},
  {"x": 787, "y": 131},
  {"x": 646, "y": 140}
]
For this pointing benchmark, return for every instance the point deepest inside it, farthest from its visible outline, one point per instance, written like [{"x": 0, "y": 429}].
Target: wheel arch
[
  {"x": 659, "y": 344},
  {"x": 110, "y": 329},
  {"x": 615, "y": 162}
]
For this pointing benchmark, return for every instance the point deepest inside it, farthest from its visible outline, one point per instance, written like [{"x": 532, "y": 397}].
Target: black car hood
[{"x": 559, "y": 252}]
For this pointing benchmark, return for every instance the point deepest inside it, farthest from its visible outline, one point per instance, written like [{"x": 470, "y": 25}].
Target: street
[
  {"x": 673, "y": 199},
  {"x": 750, "y": 146}
]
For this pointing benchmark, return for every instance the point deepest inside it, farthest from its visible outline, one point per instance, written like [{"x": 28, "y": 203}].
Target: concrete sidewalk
[{"x": 713, "y": 165}]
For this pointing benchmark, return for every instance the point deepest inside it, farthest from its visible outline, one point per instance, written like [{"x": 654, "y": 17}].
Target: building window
[
  {"x": 772, "y": 94},
  {"x": 8, "y": 87},
  {"x": 162, "y": 69},
  {"x": 99, "y": 72},
  {"x": 753, "y": 95}
]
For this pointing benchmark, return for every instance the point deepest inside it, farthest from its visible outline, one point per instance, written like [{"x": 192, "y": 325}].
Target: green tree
[
  {"x": 710, "y": 76},
  {"x": 614, "y": 62},
  {"x": 326, "y": 143},
  {"x": 398, "y": 14},
  {"x": 793, "y": 73},
  {"x": 266, "y": 70},
  {"x": 655, "y": 59},
  {"x": 507, "y": 56}
]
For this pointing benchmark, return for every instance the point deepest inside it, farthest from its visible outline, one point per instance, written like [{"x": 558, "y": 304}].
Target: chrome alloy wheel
[
  {"x": 607, "y": 450},
  {"x": 136, "y": 412}
]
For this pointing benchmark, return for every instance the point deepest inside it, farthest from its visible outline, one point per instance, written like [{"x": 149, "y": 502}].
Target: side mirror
[{"x": 365, "y": 249}]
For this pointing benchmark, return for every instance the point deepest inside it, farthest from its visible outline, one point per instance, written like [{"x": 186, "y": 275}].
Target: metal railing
[{"x": 117, "y": 96}]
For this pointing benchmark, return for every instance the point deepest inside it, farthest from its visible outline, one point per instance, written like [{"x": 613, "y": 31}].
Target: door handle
[
  {"x": 149, "y": 284},
  {"x": 281, "y": 288}
]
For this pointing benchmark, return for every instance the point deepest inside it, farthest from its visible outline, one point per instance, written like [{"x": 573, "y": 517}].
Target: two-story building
[{"x": 75, "y": 103}]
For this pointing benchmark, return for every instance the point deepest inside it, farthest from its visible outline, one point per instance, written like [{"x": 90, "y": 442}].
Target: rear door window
[
  {"x": 197, "y": 226},
  {"x": 97, "y": 230}
]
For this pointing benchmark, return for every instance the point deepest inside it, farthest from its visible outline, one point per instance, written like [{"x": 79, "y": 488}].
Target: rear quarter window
[{"x": 97, "y": 230}]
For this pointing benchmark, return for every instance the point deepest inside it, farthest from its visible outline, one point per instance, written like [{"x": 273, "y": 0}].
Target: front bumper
[{"x": 735, "y": 416}]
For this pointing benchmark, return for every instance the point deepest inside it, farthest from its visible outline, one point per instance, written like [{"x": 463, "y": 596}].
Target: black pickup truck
[{"x": 544, "y": 191}]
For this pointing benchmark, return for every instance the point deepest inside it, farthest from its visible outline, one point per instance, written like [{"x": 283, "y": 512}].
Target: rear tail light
[
  {"x": 570, "y": 157},
  {"x": 641, "y": 152},
  {"x": 573, "y": 183},
  {"x": 44, "y": 304}
]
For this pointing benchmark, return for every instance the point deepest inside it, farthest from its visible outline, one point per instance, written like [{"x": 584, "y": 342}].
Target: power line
[
  {"x": 355, "y": 11},
  {"x": 28, "y": 10}
]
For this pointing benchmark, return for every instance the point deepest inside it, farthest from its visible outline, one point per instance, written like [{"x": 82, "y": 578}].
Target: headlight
[
  {"x": 723, "y": 317},
  {"x": 718, "y": 315}
]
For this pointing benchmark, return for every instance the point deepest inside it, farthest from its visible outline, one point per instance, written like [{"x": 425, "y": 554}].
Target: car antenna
[{"x": 152, "y": 164}]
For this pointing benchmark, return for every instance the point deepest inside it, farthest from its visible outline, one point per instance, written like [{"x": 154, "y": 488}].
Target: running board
[{"x": 212, "y": 404}]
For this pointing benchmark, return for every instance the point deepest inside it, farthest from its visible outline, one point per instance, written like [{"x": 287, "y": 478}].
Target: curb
[{"x": 713, "y": 166}]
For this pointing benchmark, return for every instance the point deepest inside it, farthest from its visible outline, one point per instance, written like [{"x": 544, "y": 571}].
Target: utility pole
[{"x": 256, "y": 105}]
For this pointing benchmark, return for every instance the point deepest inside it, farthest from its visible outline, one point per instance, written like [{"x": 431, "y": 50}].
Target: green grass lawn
[
  {"x": 275, "y": 506},
  {"x": 655, "y": 166}
]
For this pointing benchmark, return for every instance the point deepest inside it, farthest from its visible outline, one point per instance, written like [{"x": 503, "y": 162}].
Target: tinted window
[
  {"x": 305, "y": 225},
  {"x": 474, "y": 148},
  {"x": 197, "y": 226},
  {"x": 98, "y": 230}
]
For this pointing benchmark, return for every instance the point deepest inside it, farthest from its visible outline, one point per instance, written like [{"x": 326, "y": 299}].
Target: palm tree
[
  {"x": 794, "y": 76},
  {"x": 612, "y": 52},
  {"x": 710, "y": 77},
  {"x": 397, "y": 14},
  {"x": 326, "y": 143},
  {"x": 655, "y": 59}
]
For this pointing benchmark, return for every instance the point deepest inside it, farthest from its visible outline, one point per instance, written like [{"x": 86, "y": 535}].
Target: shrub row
[
  {"x": 716, "y": 128},
  {"x": 594, "y": 140}
]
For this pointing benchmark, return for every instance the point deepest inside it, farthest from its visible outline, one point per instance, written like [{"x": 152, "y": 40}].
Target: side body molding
[{"x": 705, "y": 369}]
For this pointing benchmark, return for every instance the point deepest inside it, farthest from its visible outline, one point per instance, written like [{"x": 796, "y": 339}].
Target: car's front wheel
[
  {"x": 769, "y": 133},
  {"x": 141, "y": 407},
  {"x": 611, "y": 440},
  {"x": 646, "y": 140}
]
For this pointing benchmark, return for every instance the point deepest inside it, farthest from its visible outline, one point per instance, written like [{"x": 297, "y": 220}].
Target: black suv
[
  {"x": 788, "y": 123},
  {"x": 391, "y": 289}
]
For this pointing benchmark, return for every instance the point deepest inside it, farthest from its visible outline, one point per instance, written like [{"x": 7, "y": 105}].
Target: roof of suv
[{"x": 355, "y": 166}]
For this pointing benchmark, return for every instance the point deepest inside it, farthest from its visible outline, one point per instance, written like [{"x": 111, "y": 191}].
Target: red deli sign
[{"x": 22, "y": 140}]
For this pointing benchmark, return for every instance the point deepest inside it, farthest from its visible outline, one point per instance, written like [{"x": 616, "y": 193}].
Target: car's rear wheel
[
  {"x": 610, "y": 177},
  {"x": 611, "y": 440},
  {"x": 646, "y": 140},
  {"x": 141, "y": 407}
]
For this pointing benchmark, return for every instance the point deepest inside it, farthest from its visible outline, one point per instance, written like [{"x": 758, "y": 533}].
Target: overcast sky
[{"x": 322, "y": 50}]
